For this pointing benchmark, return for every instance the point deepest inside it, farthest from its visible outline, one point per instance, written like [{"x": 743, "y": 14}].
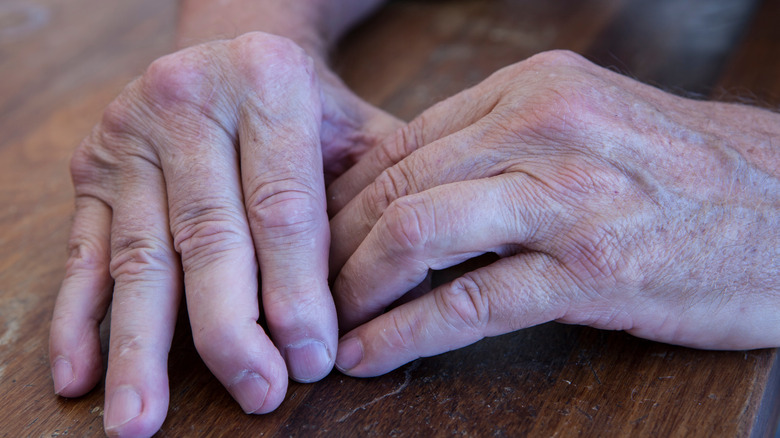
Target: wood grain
[{"x": 62, "y": 62}]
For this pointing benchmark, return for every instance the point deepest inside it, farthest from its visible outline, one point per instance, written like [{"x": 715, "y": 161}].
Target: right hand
[
  {"x": 610, "y": 203},
  {"x": 205, "y": 167}
]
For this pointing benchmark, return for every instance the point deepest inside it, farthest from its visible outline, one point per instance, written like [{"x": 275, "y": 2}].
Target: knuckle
[
  {"x": 138, "y": 258},
  {"x": 564, "y": 88},
  {"x": 465, "y": 304},
  {"x": 85, "y": 255},
  {"x": 286, "y": 208},
  {"x": 389, "y": 186},
  {"x": 121, "y": 116},
  {"x": 268, "y": 59},
  {"x": 204, "y": 232},
  {"x": 558, "y": 58},
  {"x": 404, "y": 141},
  {"x": 402, "y": 333},
  {"x": 85, "y": 164},
  {"x": 179, "y": 79},
  {"x": 408, "y": 224}
]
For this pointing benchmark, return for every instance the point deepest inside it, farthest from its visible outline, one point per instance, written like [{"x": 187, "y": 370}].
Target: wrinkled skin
[
  {"x": 204, "y": 173},
  {"x": 610, "y": 203}
]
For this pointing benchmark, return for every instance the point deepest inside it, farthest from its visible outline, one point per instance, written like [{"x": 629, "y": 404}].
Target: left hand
[
  {"x": 612, "y": 204},
  {"x": 205, "y": 172}
]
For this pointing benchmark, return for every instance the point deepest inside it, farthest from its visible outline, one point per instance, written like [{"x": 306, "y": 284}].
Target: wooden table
[{"x": 61, "y": 62}]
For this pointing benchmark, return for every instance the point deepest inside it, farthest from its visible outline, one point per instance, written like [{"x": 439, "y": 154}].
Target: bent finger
[
  {"x": 284, "y": 191},
  {"x": 439, "y": 121},
  {"x": 457, "y": 157},
  {"x": 436, "y": 229},
  {"x": 210, "y": 231},
  {"x": 510, "y": 294}
]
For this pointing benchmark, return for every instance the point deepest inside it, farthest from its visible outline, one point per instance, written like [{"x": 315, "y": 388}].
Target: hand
[
  {"x": 206, "y": 166},
  {"x": 610, "y": 203}
]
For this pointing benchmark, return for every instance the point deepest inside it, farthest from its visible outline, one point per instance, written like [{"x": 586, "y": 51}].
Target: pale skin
[
  {"x": 162, "y": 208},
  {"x": 611, "y": 204}
]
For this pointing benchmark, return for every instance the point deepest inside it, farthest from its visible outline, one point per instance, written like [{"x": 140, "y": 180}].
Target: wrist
[
  {"x": 315, "y": 25},
  {"x": 203, "y": 20}
]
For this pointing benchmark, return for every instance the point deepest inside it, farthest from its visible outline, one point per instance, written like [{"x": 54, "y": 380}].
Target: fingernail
[
  {"x": 62, "y": 372},
  {"x": 249, "y": 390},
  {"x": 350, "y": 354},
  {"x": 308, "y": 361},
  {"x": 124, "y": 405}
]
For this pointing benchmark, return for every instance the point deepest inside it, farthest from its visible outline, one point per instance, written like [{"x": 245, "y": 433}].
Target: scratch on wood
[
  {"x": 401, "y": 387},
  {"x": 590, "y": 365},
  {"x": 589, "y": 417}
]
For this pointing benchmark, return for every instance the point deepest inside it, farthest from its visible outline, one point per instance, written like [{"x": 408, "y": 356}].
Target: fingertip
[
  {"x": 127, "y": 413},
  {"x": 350, "y": 354},
  {"x": 258, "y": 394},
  {"x": 63, "y": 376},
  {"x": 74, "y": 371},
  {"x": 250, "y": 390},
  {"x": 309, "y": 361}
]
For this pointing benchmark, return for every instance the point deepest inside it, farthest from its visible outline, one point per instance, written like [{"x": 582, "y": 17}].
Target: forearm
[{"x": 314, "y": 24}]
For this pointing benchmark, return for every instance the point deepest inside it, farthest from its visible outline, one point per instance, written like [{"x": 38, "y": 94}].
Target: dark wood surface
[{"x": 61, "y": 62}]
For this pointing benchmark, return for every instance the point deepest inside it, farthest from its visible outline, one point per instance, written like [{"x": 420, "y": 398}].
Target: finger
[
  {"x": 196, "y": 141},
  {"x": 281, "y": 164},
  {"x": 147, "y": 291},
  {"x": 350, "y": 126},
  {"x": 457, "y": 157},
  {"x": 510, "y": 294},
  {"x": 210, "y": 231},
  {"x": 74, "y": 342},
  {"x": 435, "y": 229},
  {"x": 439, "y": 121}
]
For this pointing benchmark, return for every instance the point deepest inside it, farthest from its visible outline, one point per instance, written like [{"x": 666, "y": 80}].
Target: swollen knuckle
[
  {"x": 558, "y": 58},
  {"x": 392, "y": 184},
  {"x": 408, "y": 225},
  {"x": 465, "y": 304},
  {"x": 179, "y": 79},
  {"x": 268, "y": 59},
  {"x": 205, "y": 232},
  {"x": 118, "y": 116},
  {"x": 288, "y": 208},
  {"x": 85, "y": 255},
  {"x": 404, "y": 141},
  {"x": 85, "y": 164},
  {"x": 138, "y": 258}
]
